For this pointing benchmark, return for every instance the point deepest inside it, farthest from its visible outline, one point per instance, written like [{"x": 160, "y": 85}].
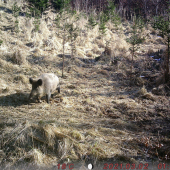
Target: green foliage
[
  {"x": 91, "y": 22},
  {"x": 61, "y": 4},
  {"x": 1, "y": 42},
  {"x": 72, "y": 35},
  {"x": 15, "y": 10},
  {"x": 72, "y": 31},
  {"x": 57, "y": 20},
  {"x": 61, "y": 21},
  {"x": 102, "y": 28},
  {"x": 111, "y": 14},
  {"x": 35, "y": 11},
  {"x": 66, "y": 29},
  {"x": 162, "y": 24},
  {"x": 108, "y": 14},
  {"x": 103, "y": 20},
  {"x": 104, "y": 17},
  {"x": 16, "y": 26},
  {"x": 134, "y": 40},
  {"x": 36, "y": 24},
  {"x": 136, "y": 34},
  {"x": 41, "y": 5},
  {"x": 110, "y": 10},
  {"x": 116, "y": 20},
  {"x": 58, "y": 4}
]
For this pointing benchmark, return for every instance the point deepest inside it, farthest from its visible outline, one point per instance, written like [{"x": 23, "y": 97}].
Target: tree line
[
  {"x": 155, "y": 12},
  {"x": 126, "y": 8}
]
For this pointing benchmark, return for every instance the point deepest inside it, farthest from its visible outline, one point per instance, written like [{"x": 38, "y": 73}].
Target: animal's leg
[
  {"x": 58, "y": 88},
  {"x": 48, "y": 96}
]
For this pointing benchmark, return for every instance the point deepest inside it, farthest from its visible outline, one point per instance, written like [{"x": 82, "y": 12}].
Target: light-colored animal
[{"x": 45, "y": 84}]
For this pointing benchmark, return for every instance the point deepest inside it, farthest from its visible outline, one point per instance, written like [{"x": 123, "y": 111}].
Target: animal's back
[{"x": 50, "y": 82}]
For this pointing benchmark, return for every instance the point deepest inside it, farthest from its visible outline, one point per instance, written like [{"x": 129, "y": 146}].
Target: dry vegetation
[{"x": 103, "y": 114}]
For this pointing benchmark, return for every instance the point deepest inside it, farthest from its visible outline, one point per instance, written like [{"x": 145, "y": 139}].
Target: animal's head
[{"x": 35, "y": 86}]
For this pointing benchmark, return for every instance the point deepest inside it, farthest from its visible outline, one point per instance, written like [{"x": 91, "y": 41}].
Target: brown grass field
[{"x": 104, "y": 113}]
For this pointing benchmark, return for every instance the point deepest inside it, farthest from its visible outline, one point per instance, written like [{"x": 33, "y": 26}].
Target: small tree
[
  {"x": 62, "y": 24},
  {"x": 162, "y": 23},
  {"x": 60, "y": 4},
  {"x": 91, "y": 22},
  {"x": 37, "y": 16},
  {"x": 34, "y": 11},
  {"x": 73, "y": 33},
  {"x": 112, "y": 14},
  {"x": 136, "y": 37},
  {"x": 1, "y": 42},
  {"x": 16, "y": 10},
  {"x": 103, "y": 20},
  {"x": 41, "y": 5}
]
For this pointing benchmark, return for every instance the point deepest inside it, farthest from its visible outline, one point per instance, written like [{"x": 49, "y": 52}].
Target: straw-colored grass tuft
[
  {"x": 21, "y": 78},
  {"x": 18, "y": 57}
]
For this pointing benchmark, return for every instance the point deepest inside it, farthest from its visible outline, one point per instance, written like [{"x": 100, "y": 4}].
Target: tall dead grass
[{"x": 34, "y": 142}]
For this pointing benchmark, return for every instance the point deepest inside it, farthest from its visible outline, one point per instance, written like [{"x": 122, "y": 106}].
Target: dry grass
[
  {"x": 97, "y": 116},
  {"x": 18, "y": 58}
]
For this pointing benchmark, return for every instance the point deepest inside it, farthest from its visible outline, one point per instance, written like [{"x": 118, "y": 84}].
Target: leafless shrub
[
  {"x": 142, "y": 93},
  {"x": 108, "y": 50},
  {"x": 160, "y": 80},
  {"x": 18, "y": 58}
]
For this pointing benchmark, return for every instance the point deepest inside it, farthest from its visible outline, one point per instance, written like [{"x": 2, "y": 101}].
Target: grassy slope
[{"x": 97, "y": 116}]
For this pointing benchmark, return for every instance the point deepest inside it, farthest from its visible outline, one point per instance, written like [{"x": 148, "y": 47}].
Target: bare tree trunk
[
  {"x": 167, "y": 57},
  {"x": 77, "y": 5},
  {"x": 133, "y": 51},
  {"x": 129, "y": 9},
  {"x": 157, "y": 7},
  {"x": 64, "y": 38},
  {"x": 166, "y": 74},
  {"x": 121, "y": 11},
  {"x": 156, "y": 3},
  {"x": 86, "y": 6},
  {"x": 63, "y": 55}
]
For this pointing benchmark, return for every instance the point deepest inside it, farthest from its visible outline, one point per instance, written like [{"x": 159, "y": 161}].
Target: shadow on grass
[
  {"x": 19, "y": 99},
  {"x": 85, "y": 62},
  {"x": 9, "y": 11},
  {"x": 16, "y": 99}
]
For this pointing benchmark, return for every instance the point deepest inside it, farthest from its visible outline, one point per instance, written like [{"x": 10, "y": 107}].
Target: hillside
[{"x": 104, "y": 113}]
